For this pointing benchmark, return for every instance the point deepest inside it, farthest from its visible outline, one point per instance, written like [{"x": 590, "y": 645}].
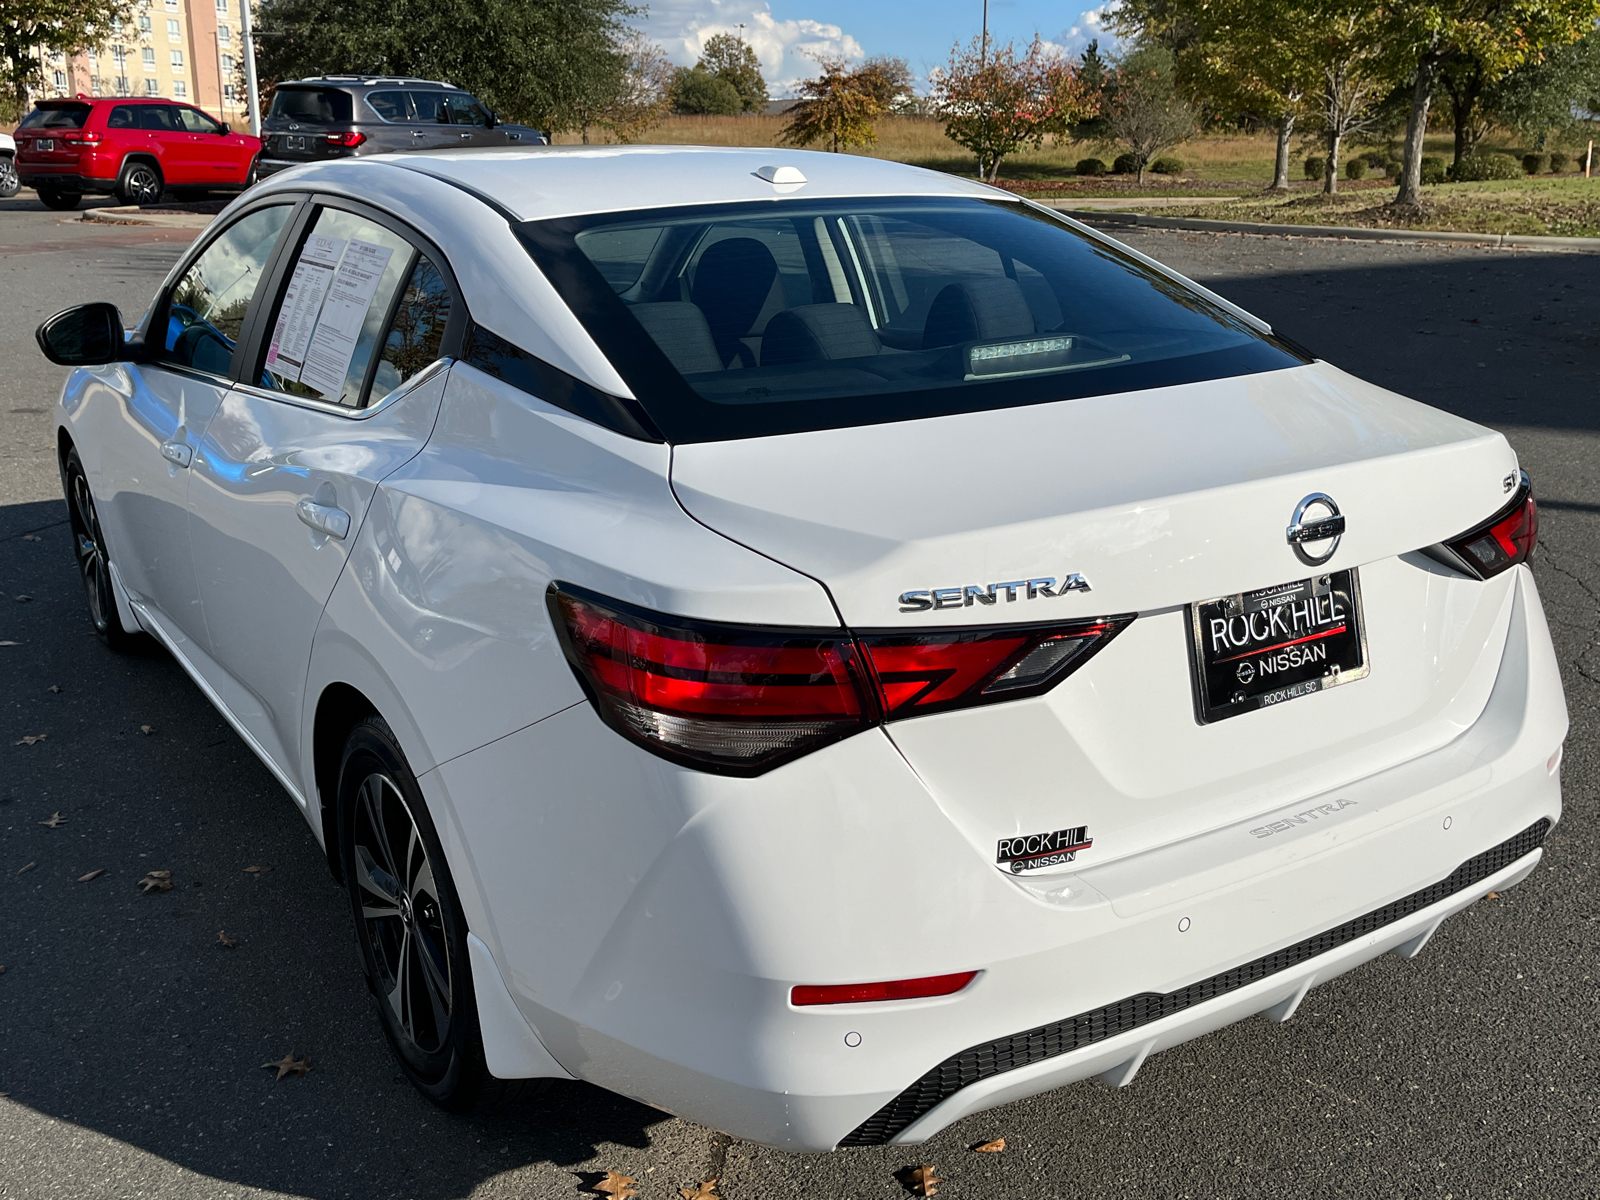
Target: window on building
[
  {"x": 144, "y": 24},
  {"x": 94, "y": 85},
  {"x": 152, "y": 87},
  {"x": 227, "y": 64},
  {"x": 119, "y": 54},
  {"x": 224, "y": 34},
  {"x": 149, "y": 57},
  {"x": 229, "y": 93},
  {"x": 173, "y": 33},
  {"x": 180, "y": 90},
  {"x": 61, "y": 81},
  {"x": 177, "y": 60},
  {"x": 172, "y": 5},
  {"x": 222, "y": 6}
]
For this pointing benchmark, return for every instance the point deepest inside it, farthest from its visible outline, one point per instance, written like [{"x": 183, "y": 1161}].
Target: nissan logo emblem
[{"x": 1328, "y": 527}]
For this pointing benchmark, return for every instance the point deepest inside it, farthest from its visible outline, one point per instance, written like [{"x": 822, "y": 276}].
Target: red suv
[{"x": 136, "y": 149}]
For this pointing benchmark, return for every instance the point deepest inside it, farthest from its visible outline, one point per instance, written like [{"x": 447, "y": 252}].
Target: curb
[
  {"x": 134, "y": 215},
  {"x": 1498, "y": 241}
]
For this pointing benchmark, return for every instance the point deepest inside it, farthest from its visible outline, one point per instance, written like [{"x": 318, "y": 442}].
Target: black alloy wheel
[
  {"x": 58, "y": 200},
  {"x": 94, "y": 567},
  {"x": 9, "y": 183},
  {"x": 412, "y": 937},
  {"x": 140, "y": 183}
]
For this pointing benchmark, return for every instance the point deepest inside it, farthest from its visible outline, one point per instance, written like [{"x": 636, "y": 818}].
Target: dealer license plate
[
  {"x": 44, "y": 144},
  {"x": 294, "y": 143},
  {"x": 1257, "y": 649}
]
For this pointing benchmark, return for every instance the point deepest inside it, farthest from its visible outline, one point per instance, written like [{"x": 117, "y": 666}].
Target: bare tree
[
  {"x": 1145, "y": 111},
  {"x": 1352, "y": 82},
  {"x": 646, "y": 89}
]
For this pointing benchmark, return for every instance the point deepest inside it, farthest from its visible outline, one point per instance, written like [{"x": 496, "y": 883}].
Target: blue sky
[{"x": 783, "y": 32}]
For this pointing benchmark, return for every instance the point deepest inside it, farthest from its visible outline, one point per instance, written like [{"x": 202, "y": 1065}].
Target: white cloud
[
  {"x": 1088, "y": 26},
  {"x": 787, "y": 49}
]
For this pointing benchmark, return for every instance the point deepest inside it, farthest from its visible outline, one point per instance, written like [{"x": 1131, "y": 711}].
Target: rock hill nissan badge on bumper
[{"x": 504, "y": 522}]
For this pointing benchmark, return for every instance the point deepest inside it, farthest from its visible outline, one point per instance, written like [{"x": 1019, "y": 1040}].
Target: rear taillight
[
  {"x": 1503, "y": 541},
  {"x": 741, "y": 699},
  {"x": 81, "y": 139},
  {"x": 348, "y": 140},
  {"x": 894, "y": 989}
]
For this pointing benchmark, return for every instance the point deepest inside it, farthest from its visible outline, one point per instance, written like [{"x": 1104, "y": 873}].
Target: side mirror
[
  {"x": 86, "y": 336},
  {"x": 226, "y": 129},
  {"x": 494, "y": 119}
]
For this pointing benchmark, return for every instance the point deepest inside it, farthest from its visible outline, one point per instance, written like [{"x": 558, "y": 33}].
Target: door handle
[
  {"x": 418, "y": 133},
  {"x": 324, "y": 518},
  {"x": 178, "y": 453},
  {"x": 466, "y": 135}
]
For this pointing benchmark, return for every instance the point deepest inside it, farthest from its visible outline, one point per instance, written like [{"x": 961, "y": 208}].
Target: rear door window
[
  {"x": 311, "y": 106},
  {"x": 391, "y": 106},
  {"x": 362, "y": 311},
  {"x": 430, "y": 107},
  {"x": 62, "y": 116},
  {"x": 206, "y": 310},
  {"x": 156, "y": 117}
]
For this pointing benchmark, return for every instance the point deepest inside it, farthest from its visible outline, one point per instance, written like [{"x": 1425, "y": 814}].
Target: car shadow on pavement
[{"x": 122, "y": 1011}]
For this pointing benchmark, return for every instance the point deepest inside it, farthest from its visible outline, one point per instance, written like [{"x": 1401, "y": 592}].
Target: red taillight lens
[
  {"x": 896, "y": 989},
  {"x": 928, "y": 672},
  {"x": 1503, "y": 541},
  {"x": 737, "y": 699},
  {"x": 741, "y": 699},
  {"x": 81, "y": 139},
  {"x": 348, "y": 140}
]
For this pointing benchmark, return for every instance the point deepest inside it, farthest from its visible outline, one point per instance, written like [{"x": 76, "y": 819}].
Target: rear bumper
[
  {"x": 649, "y": 921},
  {"x": 68, "y": 180}
]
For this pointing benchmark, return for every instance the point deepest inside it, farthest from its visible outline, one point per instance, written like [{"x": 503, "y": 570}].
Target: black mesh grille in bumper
[{"x": 1085, "y": 1029}]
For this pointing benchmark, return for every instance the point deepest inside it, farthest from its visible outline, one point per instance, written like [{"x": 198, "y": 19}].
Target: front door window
[{"x": 205, "y": 314}]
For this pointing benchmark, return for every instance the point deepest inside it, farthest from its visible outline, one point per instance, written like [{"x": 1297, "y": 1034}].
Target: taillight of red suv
[{"x": 742, "y": 699}]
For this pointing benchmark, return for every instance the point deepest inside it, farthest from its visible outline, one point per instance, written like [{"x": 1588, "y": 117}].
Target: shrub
[
  {"x": 1315, "y": 167},
  {"x": 700, "y": 93},
  {"x": 1167, "y": 166},
  {"x": 1433, "y": 169},
  {"x": 1125, "y": 164},
  {"x": 1535, "y": 164},
  {"x": 1558, "y": 162},
  {"x": 1377, "y": 159},
  {"x": 1356, "y": 168},
  {"x": 1090, "y": 166},
  {"x": 1476, "y": 167}
]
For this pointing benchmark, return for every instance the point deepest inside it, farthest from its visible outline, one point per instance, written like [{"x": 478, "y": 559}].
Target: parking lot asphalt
[{"x": 130, "y": 1039}]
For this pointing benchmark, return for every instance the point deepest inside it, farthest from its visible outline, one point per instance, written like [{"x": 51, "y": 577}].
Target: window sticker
[
  {"x": 344, "y": 312},
  {"x": 308, "y": 286}
]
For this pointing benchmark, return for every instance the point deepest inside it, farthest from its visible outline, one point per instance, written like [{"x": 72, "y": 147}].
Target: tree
[
  {"x": 645, "y": 94},
  {"x": 550, "y": 63},
  {"x": 1094, "y": 75},
  {"x": 1353, "y": 80},
  {"x": 1145, "y": 111},
  {"x": 729, "y": 58},
  {"x": 1424, "y": 37},
  {"x": 887, "y": 78},
  {"x": 1539, "y": 99},
  {"x": 697, "y": 92},
  {"x": 994, "y": 103},
  {"x": 28, "y": 27},
  {"x": 839, "y": 106}
]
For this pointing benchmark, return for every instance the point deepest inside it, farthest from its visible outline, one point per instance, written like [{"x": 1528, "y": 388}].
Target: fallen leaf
[
  {"x": 257, "y": 870},
  {"x": 10, "y": 643},
  {"x": 706, "y": 1191},
  {"x": 147, "y": 730},
  {"x": 289, "y": 1065},
  {"x": 617, "y": 1185},
  {"x": 226, "y": 942},
  {"x": 28, "y": 867},
  {"x": 31, "y": 739},
  {"x": 95, "y": 874},
  {"x": 993, "y": 1147},
  {"x": 54, "y": 820},
  {"x": 920, "y": 1181},
  {"x": 30, "y": 537},
  {"x": 157, "y": 881},
  {"x": 1492, "y": 896},
  {"x": 23, "y": 599},
  {"x": 55, "y": 687}
]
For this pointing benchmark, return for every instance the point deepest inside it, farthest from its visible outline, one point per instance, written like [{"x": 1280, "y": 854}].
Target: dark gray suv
[{"x": 336, "y": 116}]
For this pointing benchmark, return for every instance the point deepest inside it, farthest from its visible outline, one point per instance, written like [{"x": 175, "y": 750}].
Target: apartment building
[{"x": 180, "y": 49}]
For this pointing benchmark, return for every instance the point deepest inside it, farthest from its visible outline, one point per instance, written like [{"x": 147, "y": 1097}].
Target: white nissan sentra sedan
[{"x": 819, "y": 646}]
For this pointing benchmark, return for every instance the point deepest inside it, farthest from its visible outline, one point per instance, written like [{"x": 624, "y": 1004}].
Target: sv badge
[{"x": 989, "y": 593}]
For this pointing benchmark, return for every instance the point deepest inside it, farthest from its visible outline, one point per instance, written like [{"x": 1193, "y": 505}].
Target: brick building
[{"x": 181, "y": 49}]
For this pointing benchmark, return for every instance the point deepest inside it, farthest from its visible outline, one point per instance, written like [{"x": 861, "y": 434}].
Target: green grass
[{"x": 1555, "y": 206}]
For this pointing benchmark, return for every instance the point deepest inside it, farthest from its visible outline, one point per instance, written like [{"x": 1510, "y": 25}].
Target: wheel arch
[
  {"x": 143, "y": 156},
  {"x": 339, "y": 708}
]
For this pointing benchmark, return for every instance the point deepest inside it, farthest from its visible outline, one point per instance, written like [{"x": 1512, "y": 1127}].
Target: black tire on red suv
[
  {"x": 140, "y": 183},
  {"x": 61, "y": 201}
]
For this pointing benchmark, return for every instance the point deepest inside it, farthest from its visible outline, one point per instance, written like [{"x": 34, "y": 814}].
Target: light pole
[{"x": 983, "y": 62}]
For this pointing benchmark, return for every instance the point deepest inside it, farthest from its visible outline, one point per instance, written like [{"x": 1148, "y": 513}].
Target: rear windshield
[
  {"x": 314, "y": 106},
  {"x": 753, "y": 319},
  {"x": 65, "y": 116}
]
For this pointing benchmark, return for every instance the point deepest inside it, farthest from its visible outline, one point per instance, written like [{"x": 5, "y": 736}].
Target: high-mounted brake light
[
  {"x": 741, "y": 699},
  {"x": 348, "y": 140},
  {"x": 866, "y": 993},
  {"x": 1501, "y": 542}
]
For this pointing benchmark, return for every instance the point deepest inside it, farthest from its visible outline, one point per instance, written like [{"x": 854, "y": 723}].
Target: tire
[
  {"x": 60, "y": 201},
  {"x": 409, "y": 928},
  {"x": 253, "y": 175},
  {"x": 140, "y": 184},
  {"x": 9, "y": 183},
  {"x": 94, "y": 567}
]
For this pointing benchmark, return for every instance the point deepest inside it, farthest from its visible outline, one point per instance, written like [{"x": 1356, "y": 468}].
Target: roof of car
[
  {"x": 368, "y": 81},
  {"x": 535, "y": 183}
]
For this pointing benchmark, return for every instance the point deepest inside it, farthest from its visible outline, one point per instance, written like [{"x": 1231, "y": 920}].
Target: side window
[
  {"x": 391, "y": 106},
  {"x": 195, "y": 121},
  {"x": 206, "y": 310},
  {"x": 336, "y": 313},
  {"x": 157, "y": 117},
  {"x": 416, "y": 331},
  {"x": 464, "y": 110},
  {"x": 121, "y": 117},
  {"x": 430, "y": 107}
]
